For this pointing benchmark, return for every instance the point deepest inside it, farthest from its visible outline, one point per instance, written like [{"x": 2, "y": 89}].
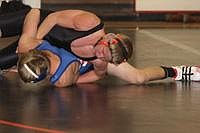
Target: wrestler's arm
[
  {"x": 69, "y": 77},
  {"x": 75, "y": 19},
  {"x": 88, "y": 77},
  {"x": 28, "y": 38},
  {"x": 129, "y": 73}
]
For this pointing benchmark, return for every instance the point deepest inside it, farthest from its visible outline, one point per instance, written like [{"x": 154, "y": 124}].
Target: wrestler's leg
[
  {"x": 11, "y": 21},
  {"x": 133, "y": 75},
  {"x": 8, "y": 56}
]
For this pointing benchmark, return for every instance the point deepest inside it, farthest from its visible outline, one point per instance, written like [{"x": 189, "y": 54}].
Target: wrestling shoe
[
  {"x": 187, "y": 73},
  {"x": 12, "y": 6}
]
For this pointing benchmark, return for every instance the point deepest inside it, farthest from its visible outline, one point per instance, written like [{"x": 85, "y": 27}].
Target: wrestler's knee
[{"x": 140, "y": 78}]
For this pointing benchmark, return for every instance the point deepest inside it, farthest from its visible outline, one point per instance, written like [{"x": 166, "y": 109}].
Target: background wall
[
  {"x": 107, "y": 9},
  {"x": 177, "y": 10},
  {"x": 33, "y": 3},
  {"x": 87, "y": 1},
  {"x": 168, "y": 5}
]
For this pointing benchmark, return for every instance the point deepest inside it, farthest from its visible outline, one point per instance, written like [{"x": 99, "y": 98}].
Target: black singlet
[{"x": 62, "y": 37}]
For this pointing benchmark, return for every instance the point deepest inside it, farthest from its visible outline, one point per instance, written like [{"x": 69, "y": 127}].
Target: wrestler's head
[
  {"x": 33, "y": 66},
  {"x": 120, "y": 46}
]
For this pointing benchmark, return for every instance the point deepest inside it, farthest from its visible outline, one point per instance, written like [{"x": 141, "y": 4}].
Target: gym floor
[{"x": 112, "y": 105}]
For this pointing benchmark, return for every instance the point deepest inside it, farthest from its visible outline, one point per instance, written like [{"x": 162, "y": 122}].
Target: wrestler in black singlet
[
  {"x": 11, "y": 24},
  {"x": 62, "y": 37}
]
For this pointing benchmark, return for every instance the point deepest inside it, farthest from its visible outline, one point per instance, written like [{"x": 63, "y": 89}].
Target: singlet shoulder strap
[{"x": 97, "y": 28}]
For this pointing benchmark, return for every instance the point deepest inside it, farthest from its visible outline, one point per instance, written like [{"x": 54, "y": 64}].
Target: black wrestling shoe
[
  {"x": 12, "y": 6},
  {"x": 3, "y": 6}
]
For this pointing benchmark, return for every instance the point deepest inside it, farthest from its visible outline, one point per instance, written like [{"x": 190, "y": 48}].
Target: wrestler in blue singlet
[{"x": 66, "y": 58}]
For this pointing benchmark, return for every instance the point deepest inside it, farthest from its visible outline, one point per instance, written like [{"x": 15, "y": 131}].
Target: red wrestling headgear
[{"x": 120, "y": 45}]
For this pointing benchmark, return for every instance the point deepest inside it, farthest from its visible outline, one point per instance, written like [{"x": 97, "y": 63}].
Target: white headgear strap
[{"x": 30, "y": 71}]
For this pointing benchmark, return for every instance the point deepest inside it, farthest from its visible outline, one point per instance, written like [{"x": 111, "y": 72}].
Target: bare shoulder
[
  {"x": 86, "y": 20},
  {"x": 70, "y": 12}
]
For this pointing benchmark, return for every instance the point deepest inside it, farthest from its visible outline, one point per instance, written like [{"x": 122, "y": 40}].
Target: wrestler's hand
[
  {"x": 100, "y": 67},
  {"x": 28, "y": 43},
  {"x": 34, "y": 42},
  {"x": 103, "y": 52}
]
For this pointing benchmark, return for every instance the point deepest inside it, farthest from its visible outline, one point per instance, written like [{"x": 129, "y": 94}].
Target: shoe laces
[{"x": 187, "y": 73}]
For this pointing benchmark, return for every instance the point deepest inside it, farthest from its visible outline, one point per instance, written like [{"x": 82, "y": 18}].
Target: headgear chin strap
[{"x": 37, "y": 77}]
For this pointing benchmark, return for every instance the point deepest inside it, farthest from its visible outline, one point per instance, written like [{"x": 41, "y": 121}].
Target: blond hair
[{"x": 33, "y": 66}]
